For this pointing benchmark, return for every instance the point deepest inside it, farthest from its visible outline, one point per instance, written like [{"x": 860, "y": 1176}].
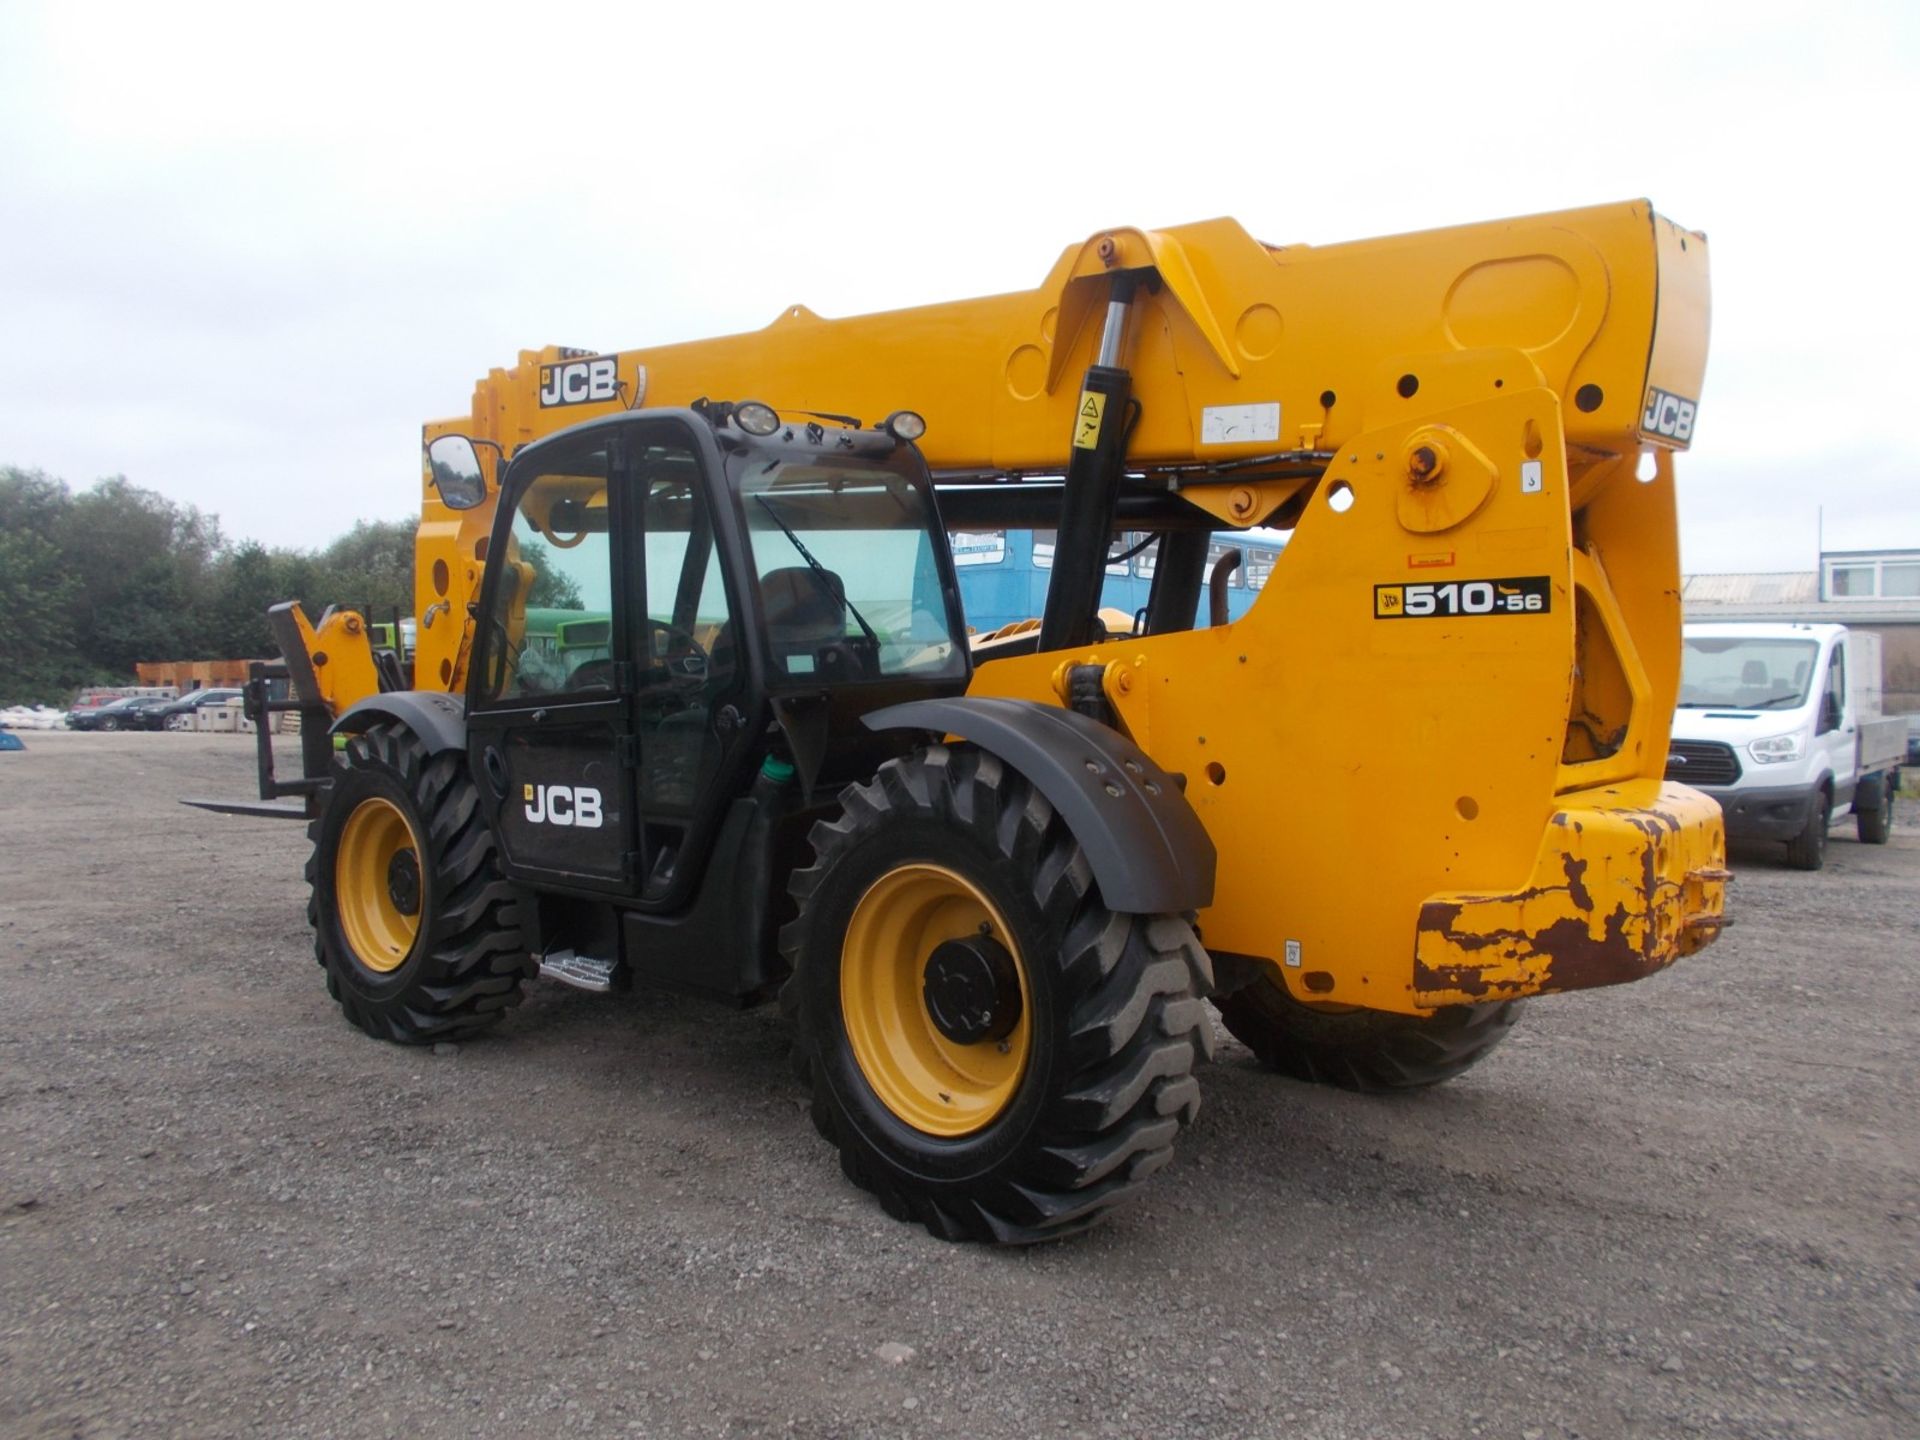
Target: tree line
[{"x": 93, "y": 581}]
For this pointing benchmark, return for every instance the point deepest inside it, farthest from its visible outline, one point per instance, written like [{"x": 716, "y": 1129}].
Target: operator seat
[
  {"x": 806, "y": 613},
  {"x": 804, "y": 606}
]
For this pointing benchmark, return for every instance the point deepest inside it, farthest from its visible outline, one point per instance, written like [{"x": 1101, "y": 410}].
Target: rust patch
[
  {"x": 1574, "y": 959},
  {"x": 1577, "y": 881},
  {"x": 1318, "y": 981},
  {"x": 1519, "y": 942},
  {"x": 1580, "y": 962},
  {"x": 1466, "y": 979}
]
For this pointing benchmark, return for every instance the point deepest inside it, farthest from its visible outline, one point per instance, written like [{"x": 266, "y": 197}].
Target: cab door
[
  {"x": 692, "y": 684},
  {"x": 548, "y": 717},
  {"x": 1836, "y": 726}
]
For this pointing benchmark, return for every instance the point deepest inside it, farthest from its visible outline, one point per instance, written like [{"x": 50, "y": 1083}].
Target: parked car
[
  {"x": 1913, "y": 739},
  {"x": 178, "y": 714},
  {"x": 95, "y": 697},
  {"x": 136, "y": 712}
]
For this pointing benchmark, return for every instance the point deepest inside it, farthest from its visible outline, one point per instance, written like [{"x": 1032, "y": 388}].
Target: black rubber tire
[
  {"x": 110, "y": 722},
  {"x": 1875, "y": 827},
  {"x": 1808, "y": 849},
  {"x": 1118, "y": 1021},
  {"x": 469, "y": 958},
  {"x": 1365, "y": 1050}
]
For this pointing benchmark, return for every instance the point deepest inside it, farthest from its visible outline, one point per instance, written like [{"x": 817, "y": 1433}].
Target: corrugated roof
[
  {"x": 1765, "y": 587},
  {"x": 1785, "y": 595}
]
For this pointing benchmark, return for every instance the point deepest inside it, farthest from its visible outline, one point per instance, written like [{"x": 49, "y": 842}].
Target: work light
[{"x": 755, "y": 418}]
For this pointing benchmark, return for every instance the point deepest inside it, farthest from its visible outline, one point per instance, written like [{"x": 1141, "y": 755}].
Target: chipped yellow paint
[{"x": 1629, "y": 879}]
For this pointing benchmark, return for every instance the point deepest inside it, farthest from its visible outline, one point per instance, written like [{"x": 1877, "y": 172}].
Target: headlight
[{"x": 1775, "y": 748}]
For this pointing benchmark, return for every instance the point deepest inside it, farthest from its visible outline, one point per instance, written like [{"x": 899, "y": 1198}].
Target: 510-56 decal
[{"x": 1516, "y": 595}]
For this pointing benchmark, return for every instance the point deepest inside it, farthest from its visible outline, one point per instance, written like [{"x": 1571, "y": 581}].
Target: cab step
[{"x": 583, "y": 972}]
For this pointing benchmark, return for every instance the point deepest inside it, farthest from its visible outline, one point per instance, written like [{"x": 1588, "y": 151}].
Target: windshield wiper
[
  {"x": 1765, "y": 704},
  {"x": 825, "y": 574}
]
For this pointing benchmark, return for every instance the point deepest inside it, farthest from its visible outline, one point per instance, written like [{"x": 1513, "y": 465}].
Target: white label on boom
[{"x": 1239, "y": 424}]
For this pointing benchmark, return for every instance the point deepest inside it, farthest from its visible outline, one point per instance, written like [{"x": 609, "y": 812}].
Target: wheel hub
[
  {"x": 972, "y": 990},
  {"x": 377, "y": 885},
  {"x": 936, "y": 1000},
  {"x": 403, "y": 882}
]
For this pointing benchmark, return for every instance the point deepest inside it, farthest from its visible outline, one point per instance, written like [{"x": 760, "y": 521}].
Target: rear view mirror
[{"x": 456, "y": 472}]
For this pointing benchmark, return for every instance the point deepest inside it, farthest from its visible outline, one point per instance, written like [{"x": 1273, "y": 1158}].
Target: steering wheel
[
  {"x": 682, "y": 655},
  {"x": 688, "y": 666}
]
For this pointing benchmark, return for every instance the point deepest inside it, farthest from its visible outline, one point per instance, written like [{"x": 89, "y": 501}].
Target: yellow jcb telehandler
[{"x": 693, "y": 701}]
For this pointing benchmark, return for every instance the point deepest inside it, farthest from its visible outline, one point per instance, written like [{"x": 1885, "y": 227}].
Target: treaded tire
[
  {"x": 467, "y": 961},
  {"x": 1875, "y": 827},
  {"x": 1808, "y": 849},
  {"x": 1365, "y": 1050},
  {"x": 1116, "y": 1020}
]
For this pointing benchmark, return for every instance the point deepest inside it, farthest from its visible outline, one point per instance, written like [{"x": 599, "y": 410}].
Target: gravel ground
[{"x": 1684, "y": 1207}]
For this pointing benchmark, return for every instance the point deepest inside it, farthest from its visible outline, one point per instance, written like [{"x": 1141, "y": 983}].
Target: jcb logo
[
  {"x": 579, "y": 382},
  {"x": 1668, "y": 415},
  {"x": 574, "y": 805}
]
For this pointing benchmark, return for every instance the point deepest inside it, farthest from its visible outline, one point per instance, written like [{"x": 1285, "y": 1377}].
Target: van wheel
[
  {"x": 1808, "y": 849},
  {"x": 995, "y": 1052},
  {"x": 1875, "y": 827},
  {"x": 1366, "y": 1050},
  {"x": 418, "y": 933}
]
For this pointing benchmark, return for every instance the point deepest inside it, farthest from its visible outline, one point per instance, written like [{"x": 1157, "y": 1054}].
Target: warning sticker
[
  {"x": 1239, "y": 424},
  {"x": 1086, "y": 425}
]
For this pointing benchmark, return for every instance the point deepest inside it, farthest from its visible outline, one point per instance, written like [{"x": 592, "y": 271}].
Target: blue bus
[{"x": 1004, "y": 573}]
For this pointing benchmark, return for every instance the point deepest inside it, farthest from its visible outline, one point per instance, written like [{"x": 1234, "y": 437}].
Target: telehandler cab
[{"x": 694, "y": 703}]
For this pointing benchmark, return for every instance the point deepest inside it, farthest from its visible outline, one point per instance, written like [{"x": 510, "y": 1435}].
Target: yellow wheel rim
[
  {"x": 369, "y": 884},
  {"x": 932, "y": 1082}
]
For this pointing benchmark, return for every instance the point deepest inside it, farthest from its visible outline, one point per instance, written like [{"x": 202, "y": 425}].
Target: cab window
[
  {"x": 549, "y": 621},
  {"x": 849, "y": 578},
  {"x": 1834, "y": 703}
]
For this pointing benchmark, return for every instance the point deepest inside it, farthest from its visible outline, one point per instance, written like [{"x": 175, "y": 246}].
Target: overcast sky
[{"x": 245, "y": 251}]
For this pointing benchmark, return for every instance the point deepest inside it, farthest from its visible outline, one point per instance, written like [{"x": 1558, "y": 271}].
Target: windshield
[
  {"x": 850, "y": 578},
  {"x": 1741, "y": 673}
]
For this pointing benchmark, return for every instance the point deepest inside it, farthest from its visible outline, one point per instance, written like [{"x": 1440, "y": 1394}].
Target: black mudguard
[
  {"x": 1149, "y": 852},
  {"x": 439, "y": 719}
]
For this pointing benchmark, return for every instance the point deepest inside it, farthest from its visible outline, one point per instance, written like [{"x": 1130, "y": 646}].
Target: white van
[{"x": 1781, "y": 724}]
